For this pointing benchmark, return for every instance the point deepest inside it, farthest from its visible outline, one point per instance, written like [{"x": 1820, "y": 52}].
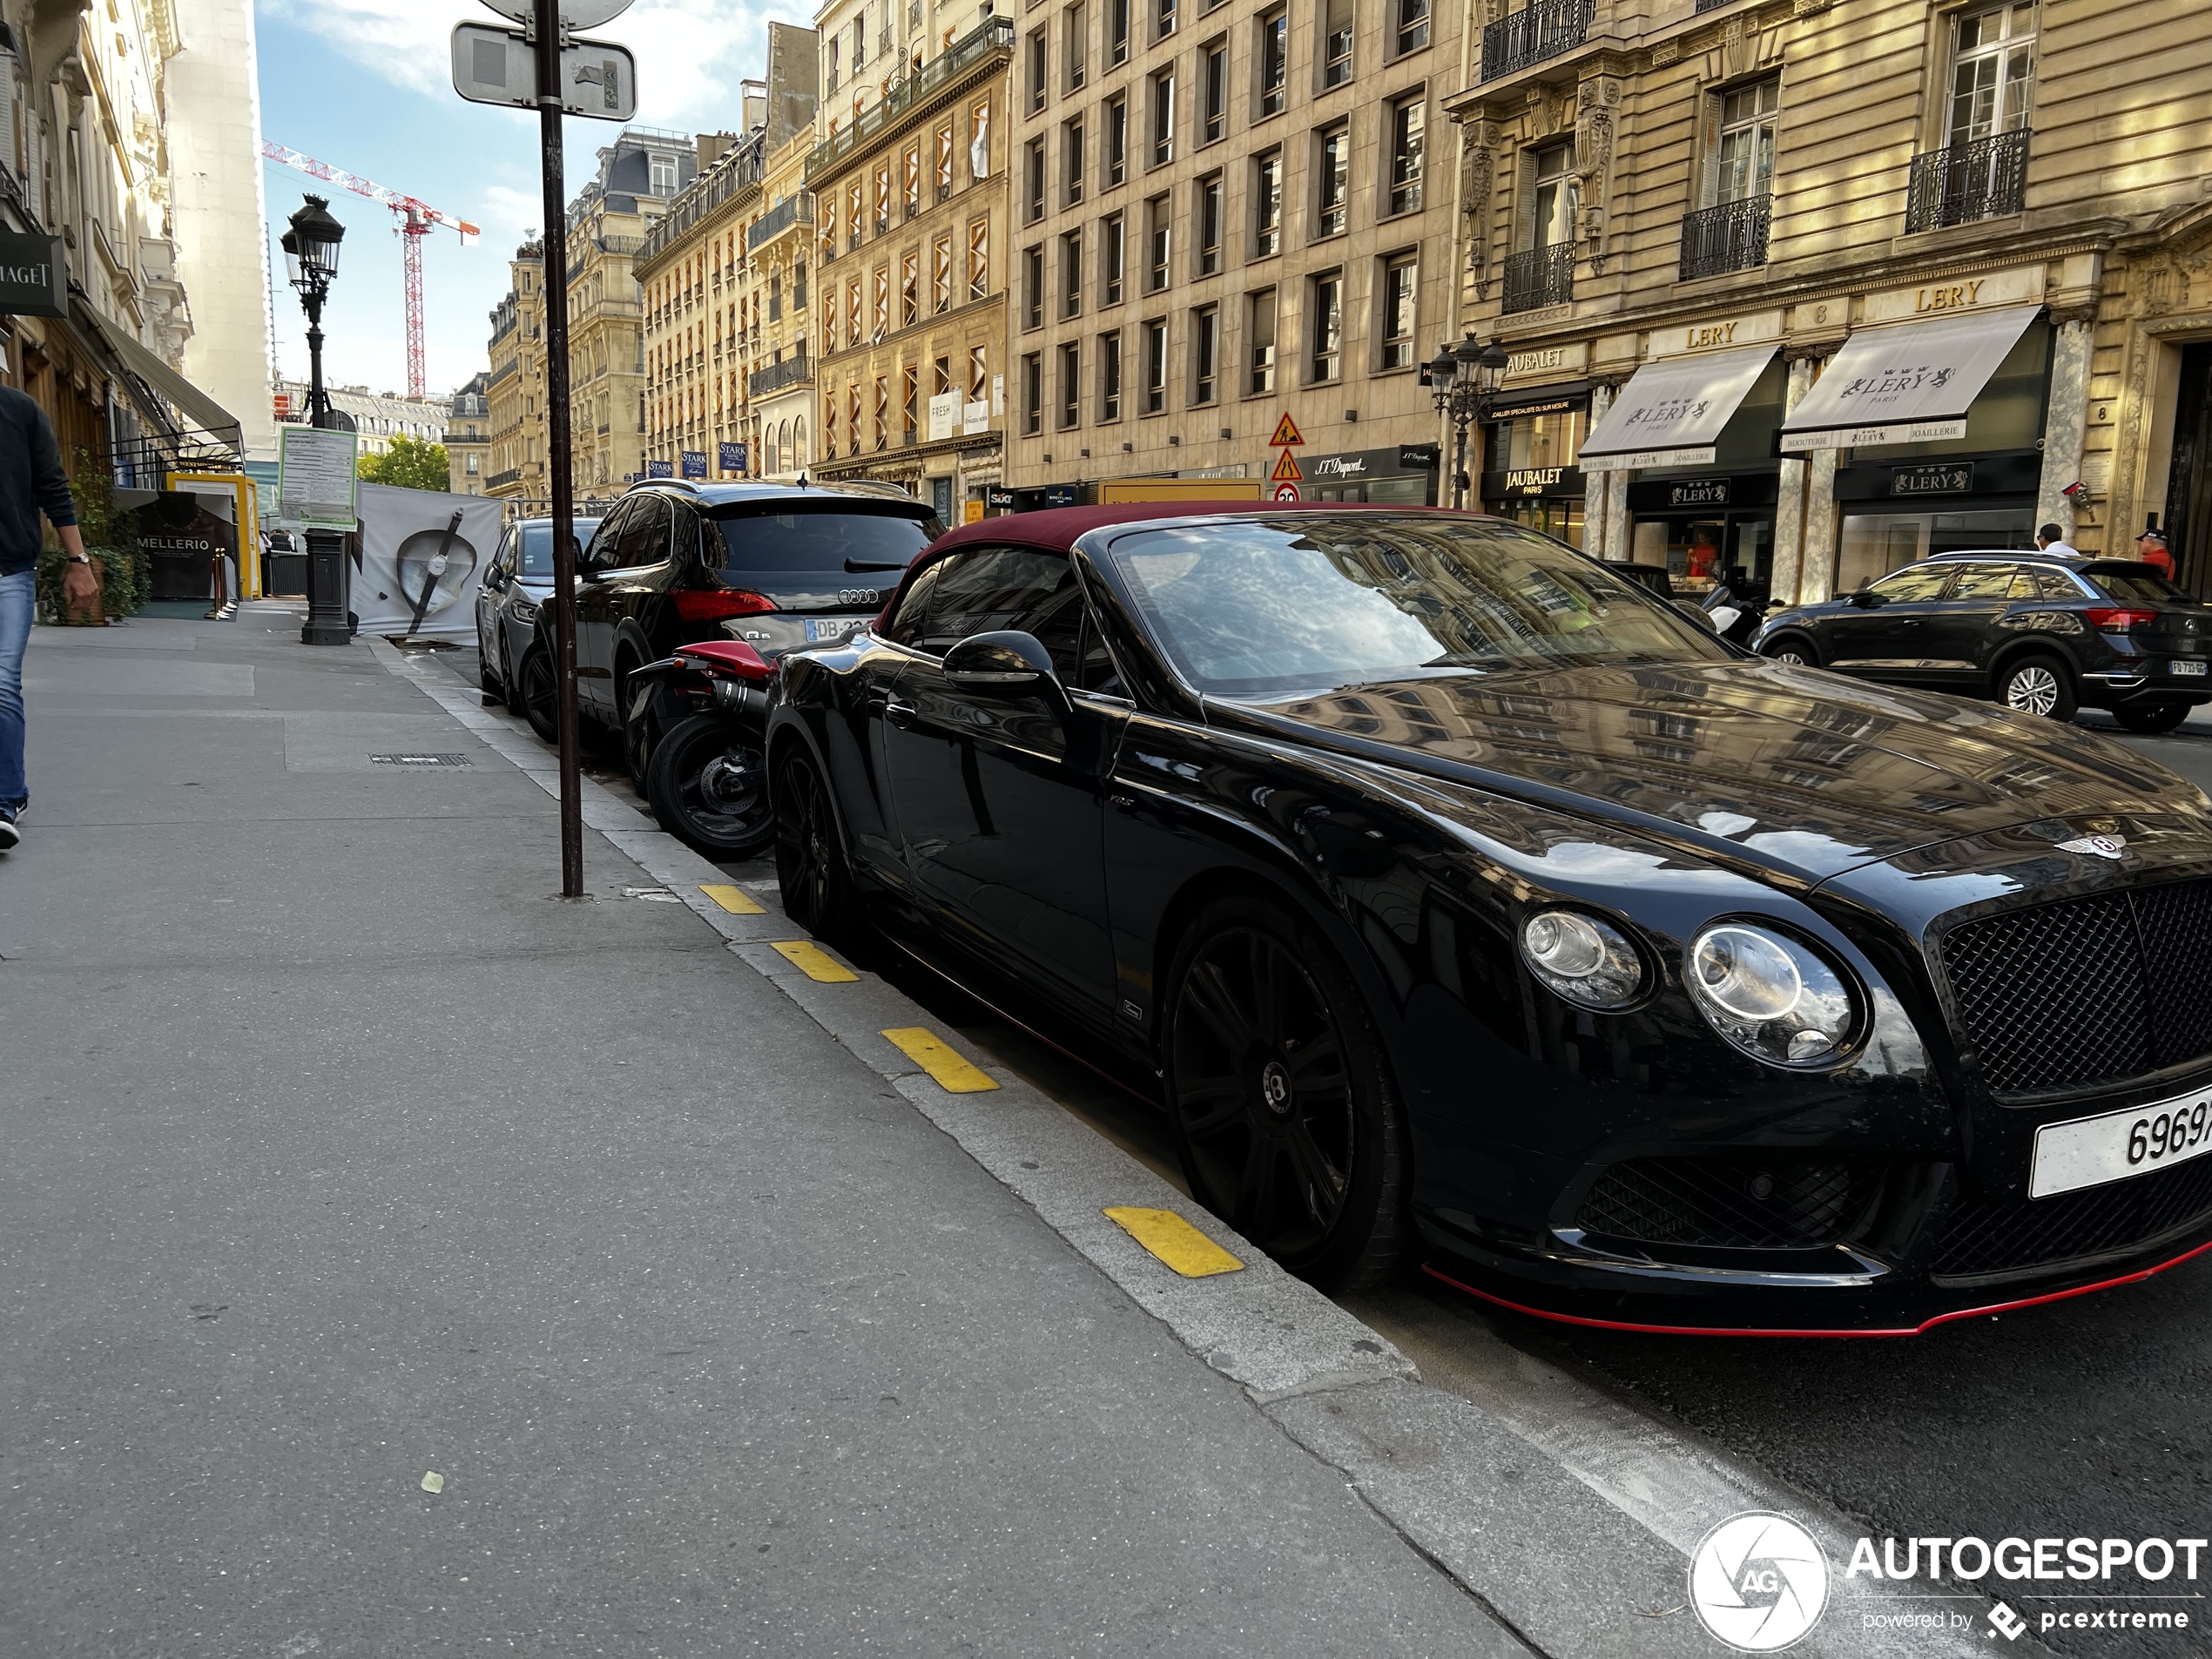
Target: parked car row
[{"x": 1462, "y": 902}]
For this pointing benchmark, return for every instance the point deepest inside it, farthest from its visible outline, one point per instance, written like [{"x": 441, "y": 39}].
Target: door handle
[{"x": 902, "y": 715}]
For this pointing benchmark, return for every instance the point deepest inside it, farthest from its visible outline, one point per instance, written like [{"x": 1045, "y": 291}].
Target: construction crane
[{"x": 416, "y": 220}]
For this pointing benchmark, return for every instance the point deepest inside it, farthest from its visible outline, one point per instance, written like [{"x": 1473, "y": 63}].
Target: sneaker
[{"x": 8, "y": 834}]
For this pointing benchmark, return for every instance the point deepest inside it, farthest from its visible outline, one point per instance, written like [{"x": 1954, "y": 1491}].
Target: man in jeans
[{"x": 31, "y": 479}]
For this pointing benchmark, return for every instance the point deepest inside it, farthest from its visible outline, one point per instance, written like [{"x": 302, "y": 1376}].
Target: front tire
[
  {"x": 508, "y": 677},
  {"x": 708, "y": 786},
  {"x": 541, "y": 695},
  {"x": 2151, "y": 718},
  {"x": 811, "y": 869},
  {"x": 2038, "y": 685},
  {"x": 1282, "y": 1103},
  {"x": 1793, "y": 649}
]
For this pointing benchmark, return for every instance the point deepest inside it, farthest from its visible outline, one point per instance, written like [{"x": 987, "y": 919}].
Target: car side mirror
[
  {"x": 1006, "y": 663},
  {"x": 1866, "y": 599}
]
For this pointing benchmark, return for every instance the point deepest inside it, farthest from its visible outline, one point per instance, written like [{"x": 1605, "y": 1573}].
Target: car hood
[{"x": 1801, "y": 774}]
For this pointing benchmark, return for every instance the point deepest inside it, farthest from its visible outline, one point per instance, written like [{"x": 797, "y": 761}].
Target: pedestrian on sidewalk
[
  {"x": 2151, "y": 549},
  {"x": 2052, "y": 540},
  {"x": 32, "y": 480}
]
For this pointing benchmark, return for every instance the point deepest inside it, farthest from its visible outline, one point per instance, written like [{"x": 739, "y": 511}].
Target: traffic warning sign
[
  {"x": 1285, "y": 469},
  {"x": 1286, "y": 432}
]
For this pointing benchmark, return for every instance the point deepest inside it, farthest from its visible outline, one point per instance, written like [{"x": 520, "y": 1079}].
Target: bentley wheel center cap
[{"x": 1275, "y": 1087}]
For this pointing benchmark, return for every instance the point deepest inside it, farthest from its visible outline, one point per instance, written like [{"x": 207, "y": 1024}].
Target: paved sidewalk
[{"x": 340, "y": 1151}]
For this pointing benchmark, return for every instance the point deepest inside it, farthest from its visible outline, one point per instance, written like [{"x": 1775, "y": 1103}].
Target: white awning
[
  {"x": 1907, "y": 383},
  {"x": 1671, "y": 412},
  {"x": 162, "y": 383}
]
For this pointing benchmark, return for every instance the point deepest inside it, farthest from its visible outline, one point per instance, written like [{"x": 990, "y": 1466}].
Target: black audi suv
[
  {"x": 2039, "y": 634},
  {"x": 1461, "y": 902},
  {"x": 676, "y": 563}
]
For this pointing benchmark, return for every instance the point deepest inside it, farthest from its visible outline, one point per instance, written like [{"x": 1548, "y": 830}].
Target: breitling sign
[{"x": 32, "y": 278}]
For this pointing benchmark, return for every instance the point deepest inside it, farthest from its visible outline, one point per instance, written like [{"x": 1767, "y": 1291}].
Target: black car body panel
[{"x": 1561, "y": 1155}]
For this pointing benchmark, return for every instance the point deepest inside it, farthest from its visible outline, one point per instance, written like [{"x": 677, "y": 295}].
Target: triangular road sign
[
  {"x": 1286, "y": 470},
  {"x": 1286, "y": 432}
]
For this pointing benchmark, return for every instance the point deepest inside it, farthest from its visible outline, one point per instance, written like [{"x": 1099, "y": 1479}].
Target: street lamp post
[
  {"x": 311, "y": 256},
  {"x": 1463, "y": 378}
]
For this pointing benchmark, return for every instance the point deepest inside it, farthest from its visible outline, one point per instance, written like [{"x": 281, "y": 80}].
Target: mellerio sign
[{"x": 33, "y": 281}]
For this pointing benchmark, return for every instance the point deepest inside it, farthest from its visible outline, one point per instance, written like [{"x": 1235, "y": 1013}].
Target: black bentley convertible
[{"x": 1461, "y": 902}]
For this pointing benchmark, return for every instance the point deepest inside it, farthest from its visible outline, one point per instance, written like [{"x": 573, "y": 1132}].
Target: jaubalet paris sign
[
  {"x": 33, "y": 281},
  {"x": 1548, "y": 362}
]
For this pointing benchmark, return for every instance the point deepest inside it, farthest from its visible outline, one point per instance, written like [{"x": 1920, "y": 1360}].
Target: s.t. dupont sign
[{"x": 33, "y": 282}]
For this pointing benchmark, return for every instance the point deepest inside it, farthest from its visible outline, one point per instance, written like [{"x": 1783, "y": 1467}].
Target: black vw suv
[{"x": 2039, "y": 634}]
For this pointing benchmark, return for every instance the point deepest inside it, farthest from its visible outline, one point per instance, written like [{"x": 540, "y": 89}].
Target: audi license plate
[
  {"x": 821, "y": 628},
  {"x": 2186, "y": 667},
  {"x": 2090, "y": 1152}
]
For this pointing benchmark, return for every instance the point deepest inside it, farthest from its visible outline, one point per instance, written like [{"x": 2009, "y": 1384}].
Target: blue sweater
[{"x": 31, "y": 478}]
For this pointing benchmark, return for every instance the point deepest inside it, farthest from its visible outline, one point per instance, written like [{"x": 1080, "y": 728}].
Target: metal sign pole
[{"x": 548, "y": 31}]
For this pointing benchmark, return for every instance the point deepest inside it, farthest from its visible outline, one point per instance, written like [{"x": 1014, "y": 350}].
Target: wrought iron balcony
[
  {"x": 1542, "y": 276},
  {"x": 791, "y": 372},
  {"x": 992, "y": 36},
  {"x": 1542, "y": 30},
  {"x": 1730, "y": 237},
  {"x": 1983, "y": 178},
  {"x": 792, "y": 210}
]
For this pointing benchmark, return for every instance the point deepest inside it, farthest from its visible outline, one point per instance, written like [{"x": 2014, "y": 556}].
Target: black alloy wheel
[
  {"x": 1794, "y": 650},
  {"x": 708, "y": 786},
  {"x": 1282, "y": 1105},
  {"x": 488, "y": 682},
  {"x": 541, "y": 695},
  {"x": 2038, "y": 685},
  {"x": 637, "y": 750},
  {"x": 811, "y": 872},
  {"x": 2151, "y": 718}
]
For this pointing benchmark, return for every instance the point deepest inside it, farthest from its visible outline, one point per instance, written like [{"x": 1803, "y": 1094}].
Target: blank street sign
[{"x": 493, "y": 66}]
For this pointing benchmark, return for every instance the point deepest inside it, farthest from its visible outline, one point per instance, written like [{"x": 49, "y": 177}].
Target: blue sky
[{"x": 366, "y": 85}]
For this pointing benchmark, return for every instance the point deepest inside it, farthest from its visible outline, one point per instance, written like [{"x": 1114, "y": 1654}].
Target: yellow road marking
[
  {"x": 1175, "y": 1241},
  {"x": 813, "y": 961},
  {"x": 930, "y": 1051},
  {"x": 735, "y": 900}
]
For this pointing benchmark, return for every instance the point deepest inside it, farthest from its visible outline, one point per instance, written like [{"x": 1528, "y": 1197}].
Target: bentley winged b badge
[{"x": 2103, "y": 846}]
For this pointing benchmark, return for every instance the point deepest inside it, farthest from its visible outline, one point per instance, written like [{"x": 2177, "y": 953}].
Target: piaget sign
[{"x": 33, "y": 281}]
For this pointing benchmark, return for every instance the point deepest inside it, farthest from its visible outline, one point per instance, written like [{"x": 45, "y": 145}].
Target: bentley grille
[
  {"x": 2087, "y": 991},
  {"x": 1737, "y": 1201},
  {"x": 2004, "y": 1235}
]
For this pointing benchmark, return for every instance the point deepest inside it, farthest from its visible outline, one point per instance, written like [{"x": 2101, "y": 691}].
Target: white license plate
[
  {"x": 2090, "y": 1152},
  {"x": 2186, "y": 667},
  {"x": 821, "y": 628}
]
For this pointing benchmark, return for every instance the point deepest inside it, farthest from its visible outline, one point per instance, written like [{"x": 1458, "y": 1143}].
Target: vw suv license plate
[
  {"x": 2187, "y": 666},
  {"x": 2090, "y": 1152},
  {"x": 821, "y": 628}
]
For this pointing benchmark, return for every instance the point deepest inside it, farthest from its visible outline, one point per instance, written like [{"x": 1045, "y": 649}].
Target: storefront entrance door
[{"x": 1702, "y": 549}]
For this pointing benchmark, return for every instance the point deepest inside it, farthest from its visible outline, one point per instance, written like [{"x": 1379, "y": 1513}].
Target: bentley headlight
[
  {"x": 1772, "y": 997},
  {"x": 1586, "y": 960}
]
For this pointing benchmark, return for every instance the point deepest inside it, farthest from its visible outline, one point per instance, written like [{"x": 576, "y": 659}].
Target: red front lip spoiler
[{"x": 1898, "y": 1330}]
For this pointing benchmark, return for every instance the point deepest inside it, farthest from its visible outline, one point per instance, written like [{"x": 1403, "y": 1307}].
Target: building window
[
  {"x": 1324, "y": 331},
  {"x": 1033, "y": 59},
  {"x": 834, "y": 47},
  {"x": 979, "y": 140},
  {"x": 1032, "y": 181},
  {"x": 1557, "y": 198},
  {"x": 1075, "y": 47},
  {"x": 909, "y": 288},
  {"x": 909, "y": 398},
  {"x": 1205, "y": 354},
  {"x": 1071, "y": 163},
  {"x": 1033, "y": 287},
  {"x": 1214, "y": 84},
  {"x": 1408, "y": 130},
  {"x": 1159, "y": 238},
  {"x": 1413, "y": 26},
  {"x": 663, "y": 175},
  {"x": 1116, "y": 142},
  {"x": 1071, "y": 275},
  {"x": 1336, "y": 43},
  {"x": 1743, "y": 157},
  {"x": 852, "y": 419},
  {"x": 1117, "y": 32},
  {"x": 1163, "y": 19},
  {"x": 940, "y": 274},
  {"x": 1272, "y": 58},
  {"x": 944, "y": 163},
  {"x": 1071, "y": 395},
  {"x": 979, "y": 372},
  {"x": 1033, "y": 392},
  {"x": 979, "y": 259},
  {"x": 882, "y": 412},
  {"x": 881, "y": 315},
  {"x": 1155, "y": 366},
  {"x": 910, "y": 179},
  {"x": 1163, "y": 119},
  {"x": 883, "y": 195},
  {"x": 1331, "y": 180},
  {"x": 1267, "y": 204},
  {"x": 1208, "y": 217},
  {"x": 1401, "y": 300},
  {"x": 1109, "y": 377},
  {"x": 1542, "y": 272},
  {"x": 1112, "y": 253},
  {"x": 1992, "y": 73}
]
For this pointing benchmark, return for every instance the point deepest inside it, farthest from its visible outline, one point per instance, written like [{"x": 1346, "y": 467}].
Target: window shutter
[
  {"x": 1524, "y": 201},
  {"x": 1709, "y": 150}
]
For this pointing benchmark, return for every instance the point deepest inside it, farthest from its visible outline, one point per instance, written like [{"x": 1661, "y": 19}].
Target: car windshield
[
  {"x": 1260, "y": 607},
  {"x": 2144, "y": 586},
  {"x": 537, "y": 547},
  {"x": 824, "y": 539}
]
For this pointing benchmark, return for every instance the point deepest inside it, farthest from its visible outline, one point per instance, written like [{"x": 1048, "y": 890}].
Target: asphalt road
[{"x": 2084, "y": 1419}]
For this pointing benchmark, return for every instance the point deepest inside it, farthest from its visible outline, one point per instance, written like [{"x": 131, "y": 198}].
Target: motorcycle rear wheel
[{"x": 708, "y": 786}]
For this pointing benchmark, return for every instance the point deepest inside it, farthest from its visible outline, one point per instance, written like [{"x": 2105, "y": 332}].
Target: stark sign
[{"x": 493, "y": 66}]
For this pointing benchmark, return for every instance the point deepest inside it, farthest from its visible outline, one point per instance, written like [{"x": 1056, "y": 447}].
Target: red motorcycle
[{"x": 698, "y": 720}]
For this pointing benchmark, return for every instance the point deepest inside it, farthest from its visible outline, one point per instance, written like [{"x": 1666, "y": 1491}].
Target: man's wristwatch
[{"x": 78, "y": 558}]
